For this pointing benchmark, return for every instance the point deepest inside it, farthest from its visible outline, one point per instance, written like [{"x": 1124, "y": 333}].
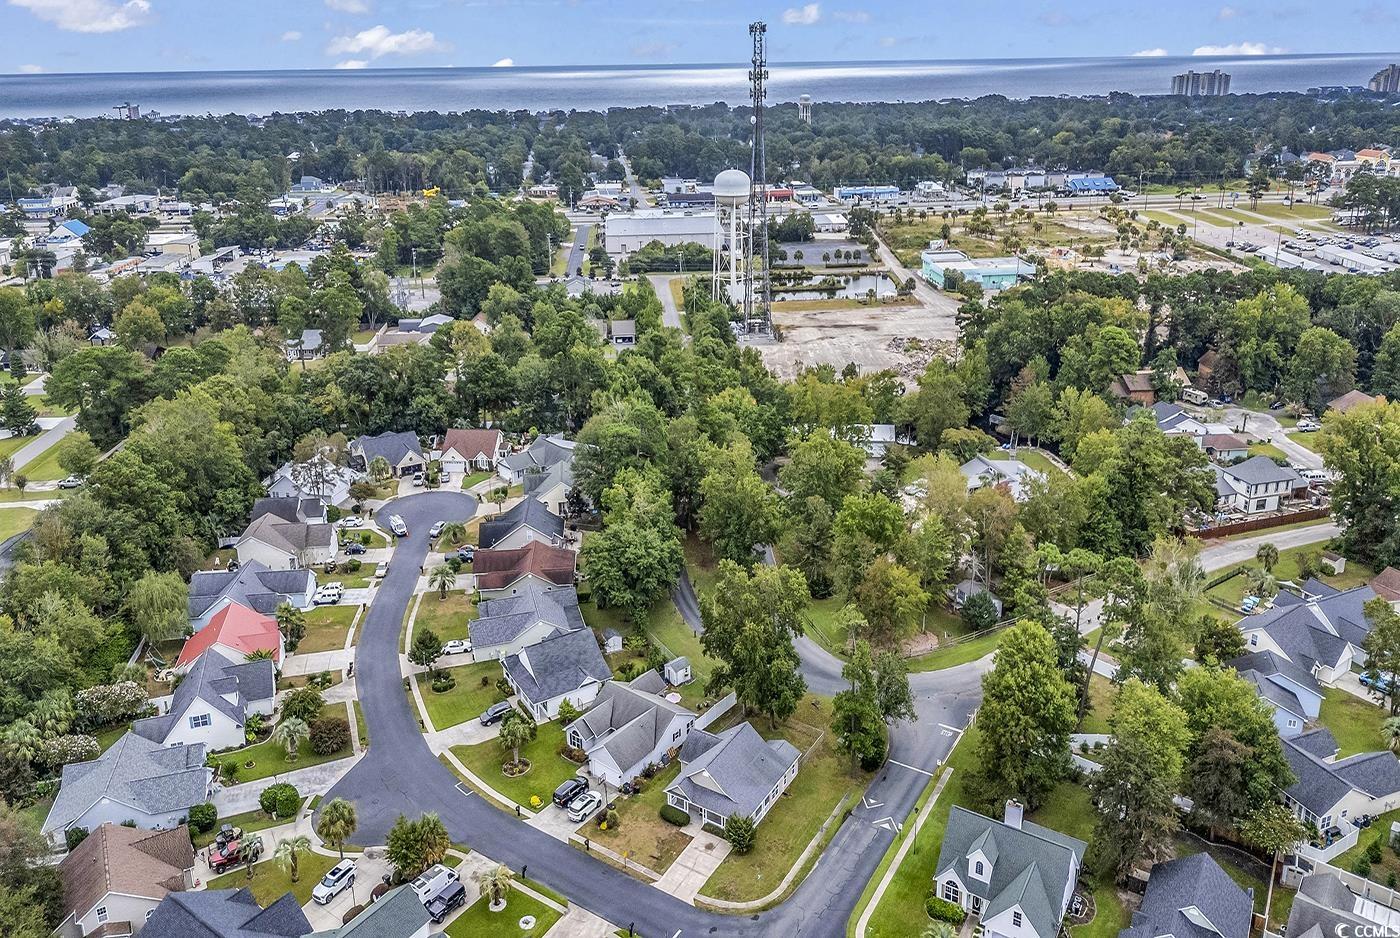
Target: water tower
[
  {"x": 804, "y": 109},
  {"x": 731, "y": 197}
]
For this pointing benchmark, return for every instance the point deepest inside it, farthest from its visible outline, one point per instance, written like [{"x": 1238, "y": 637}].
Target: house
[
  {"x": 226, "y": 913},
  {"x": 71, "y": 230},
  {"x": 733, "y": 772},
  {"x": 1135, "y": 386},
  {"x": 318, "y": 477},
  {"x": 116, "y": 877},
  {"x": 306, "y": 346},
  {"x": 1224, "y": 447},
  {"x": 1289, "y": 689},
  {"x": 425, "y": 326},
  {"x": 629, "y": 727},
  {"x": 530, "y": 520},
  {"x": 677, "y": 672},
  {"x": 1009, "y": 474},
  {"x": 253, "y": 585},
  {"x": 1350, "y": 400},
  {"x": 1016, "y": 876},
  {"x": 236, "y": 632},
  {"x": 877, "y": 438},
  {"x": 1325, "y": 907},
  {"x": 505, "y": 572},
  {"x": 1387, "y": 584},
  {"x": 471, "y": 450},
  {"x": 552, "y": 487},
  {"x": 102, "y": 336},
  {"x": 211, "y": 705},
  {"x": 968, "y": 588},
  {"x": 622, "y": 333},
  {"x": 567, "y": 666},
  {"x": 1192, "y": 897},
  {"x": 1321, "y": 633},
  {"x": 284, "y": 537},
  {"x": 400, "y": 450},
  {"x": 307, "y": 510},
  {"x": 136, "y": 779},
  {"x": 1255, "y": 486},
  {"x": 535, "y": 612},
  {"x": 399, "y": 913},
  {"x": 1330, "y": 792},
  {"x": 542, "y": 454}
]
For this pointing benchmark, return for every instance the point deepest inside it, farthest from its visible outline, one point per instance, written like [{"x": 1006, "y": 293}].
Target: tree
[
  {"x": 1030, "y": 412},
  {"x": 1382, "y": 647},
  {"x": 442, "y": 578},
  {"x": 1218, "y": 641},
  {"x": 979, "y": 611},
  {"x": 16, "y": 320},
  {"x": 289, "y": 851},
  {"x": 303, "y": 703},
  {"x": 495, "y": 884},
  {"x": 867, "y": 527},
  {"x": 1141, "y": 774},
  {"x": 515, "y": 732},
  {"x": 159, "y": 604},
  {"x": 337, "y": 823},
  {"x": 1274, "y": 829},
  {"x": 739, "y": 510},
  {"x": 1219, "y": 698},
  {"x": 637, "y": 556},
  {"x": 891, "y": 599},
  {"x": 825, "y": 466},
  {"x": 413, "y": 846},
  {"x": 290, "y": 733},
  {"x": 280, "y": 800},
  {"x": 1323, "y": 367},
  {"x": 292, "y": 622},
  {"x": 1363, "y": 445},
  {"x": 1216, "y": 780},
  {"x": 1026, "y": 717},
  {"x": 138, "y": 325},
  {"x": 856, "y": 722},
  {"x": 454, "y": 533},
  {"x": 426, "y": 650},
  {"x": 1267, "y": 555},
  {"x": 77, "y": 454},
  {"x": 939, "y": 404},
  {"x": 741, "y": 832},
  {"x": 929, "y": 551},
  {"x": 17, "y": 414}
]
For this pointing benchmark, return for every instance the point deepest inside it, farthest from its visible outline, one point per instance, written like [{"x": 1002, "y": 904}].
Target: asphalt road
[{"x": 576, "y": 251}]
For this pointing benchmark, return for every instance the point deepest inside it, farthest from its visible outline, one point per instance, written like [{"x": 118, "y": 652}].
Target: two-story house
[{"x": 1255, "y": 486}]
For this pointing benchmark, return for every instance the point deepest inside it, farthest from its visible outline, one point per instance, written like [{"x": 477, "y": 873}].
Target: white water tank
[{"x": 732, "y": 187}]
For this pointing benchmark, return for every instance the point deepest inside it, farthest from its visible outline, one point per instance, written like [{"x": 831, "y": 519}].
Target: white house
[
  {"x": 115, "y": 878},
  {"x": 1010, "y": 474},
  {"x": 317, "y": 478},
  {"x": 1320, "y": 632},
  {"x": 236, "y": 631},
  {"x": 733, "y": 772},
  {"x": 532, "y": 613},
  {"x": 471, "y": 450},
  {"x": 212, "y": 704},
  {"x": 252, "y": 585},
  {"x": 1255, "y": 486},
  {"x": 1330, "y": 792},
  {"x": 552, "y": 487},
  {"x": 539, "y": 456},
  {"x": 568, "y": 666},
  {"x": 286, "y": 534},
  {"x": 629, "y": 727}
]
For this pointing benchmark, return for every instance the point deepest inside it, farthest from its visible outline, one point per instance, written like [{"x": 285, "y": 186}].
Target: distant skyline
[{"x": 46, "y": 36}]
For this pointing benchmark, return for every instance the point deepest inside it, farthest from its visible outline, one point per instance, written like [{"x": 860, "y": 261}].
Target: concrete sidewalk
[{"x": 696, "y": 864}]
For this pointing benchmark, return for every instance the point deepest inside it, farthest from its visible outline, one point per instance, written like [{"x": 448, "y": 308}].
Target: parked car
[
  {"x": 381, "y": 569},
  {"x": 569, "y": 790},
  {"x": 451, "y": 896},
  {"x": 351, "y": 521},
  {"x": 418, "y": 480},
  {"x": 328, "y": 595},
  {"x": 465, "y": 554},
  {"x": 436, "y": 529},
  {"x": 1381, "y": 684},
  {"x": 582, "y": 807},
  {"x": 355, "y": 547},
  {"x": 397, "y": 526},
  {"x": 337, "y": 879},
  {"x": 71, "y": 482},
  {"x": 1307, "y": 426},
  {"x": 432, "y": 880},
  {"x": 495, "y": 712},
  {"x": 235, "y": 852},
  {"x": 458, "y": 646}
]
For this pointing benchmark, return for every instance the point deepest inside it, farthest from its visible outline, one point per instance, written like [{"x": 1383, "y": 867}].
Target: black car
[
  {"x": 568, "y": 791},
  {"x": 495, "y": 712},
  {"x": 355, "y": 547},
  {"x": 441, "y": 905}
]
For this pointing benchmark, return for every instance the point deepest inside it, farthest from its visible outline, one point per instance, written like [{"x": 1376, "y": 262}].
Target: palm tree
[
  {"x": 22, "y": 741},
  {"x": 496, "y": 883},
  {"x": 1267, "y": 555},
  {"x": 1261, "y": 582},
  {"x": 1391, "y": 728},
  {"x": 515, "y": 732},
  {"x": 455, "y": 532},
  {"x": 442, "y": 578},
  {"x": 261, "y": 654},
  {"x": 289, "y": 852},
  {"x": 337, "y": 823},
  {"x": 290, "y": 733},
  {"x": 938, "y": 930}
]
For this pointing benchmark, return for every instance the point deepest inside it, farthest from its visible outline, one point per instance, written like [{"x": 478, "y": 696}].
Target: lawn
[
  {"x": 1101, "y": 693},
  {"x": 641, "y": 835},
  {"x": 447, "y": 618},
  {"x": 1032, "y": 458},
  {"x": 107, "y": 737},
  {"x": 1069, "y": 811},
  {"x": 1354, "y": 722},
  {"x": 270, "y": 881},
  {"x": 351, "y": 581},
  {"x": 249, "y": 821},
  {"x": 700, "y": 563},
  {"x": 548, "y": 769},
  {"x": 1389, "y": 862},
  {"x": 825, "y": 629},
  {"x": 37, "y": 812},
  {"x": 326, "y": 628},
  {"x": 824, "y": 779},
  {"x": 1306, "y": 439},
  {"x": 467, "y": 699},
  {"x": 1266, "y": 449},
  {"x": 270, "y": 758},
  {"x": 1298, "y": 210},
  {"x": 13, "y": 444},
  {"x": 15, "y": 520},
  {"x": 1233, "y": 590},
  {"x": 45, "y": 467},
  {"x": 478, "y": 921},
  {"x": 475, "y": 478},
  {"x": 953, "y": 655}
]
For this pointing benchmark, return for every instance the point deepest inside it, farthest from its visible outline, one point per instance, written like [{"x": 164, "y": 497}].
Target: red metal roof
[{"x": 236, "y": 627}]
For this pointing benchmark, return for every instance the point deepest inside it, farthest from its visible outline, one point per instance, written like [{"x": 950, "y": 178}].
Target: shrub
[
  {"x": 1362, "y": 866},
  {"x": 1373, "y": 851},
  {"x": 203, "y": 817},
  {"x": 229, "y": 770},
  {"x": 74, "y": 836},
  {"x": 739, "y": 830},
  {"x": 61, "y": 750},
  {"x": 443, "y": 682},
  {"x": 304, "y": 703},
  {"x": 503, "y": 687},
  {"x": 378, "y": 891},
  {"x": 568, "y": 713},
  {"x": 941, "y": 910},
  {"x": 353, "y": 565},
  {"x": 330, "y": 735},
  {"x": 673, "y": 815},
  {"x": 611, "y": 820},
  {"x": 280, "y": 800},
  {"x": 1390, "y": 880},
  {"x": 354, "y": 911},
  {"x": 106, "y": 704}
]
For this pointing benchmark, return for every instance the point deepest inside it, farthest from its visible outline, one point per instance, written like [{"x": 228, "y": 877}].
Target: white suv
[{"x": 336, "y": 880}]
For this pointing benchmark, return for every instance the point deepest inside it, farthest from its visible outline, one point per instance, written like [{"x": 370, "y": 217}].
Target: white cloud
[
  {"x": 1240, "y": 48},
  {"x": 351, "y": 64},
  {"x": 852, "y": 16},
  {"x": 379, "y": 41},
  {"x": 348, "y": 6},
  {"x": 803, "y": 16},
  {"x": 291, "y": 35},
  {"x": 506, "y": 62},
  {"x": 1149, "y": 53},
  {"x": 30, "y": 69},
  {"x": 89, "y": 16},
  {"x": 889, "y": 42},
  {"x": 1227, "y": 13}
]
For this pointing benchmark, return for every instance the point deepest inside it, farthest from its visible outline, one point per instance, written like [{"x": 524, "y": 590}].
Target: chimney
[{"x": 1015, "y": 811}]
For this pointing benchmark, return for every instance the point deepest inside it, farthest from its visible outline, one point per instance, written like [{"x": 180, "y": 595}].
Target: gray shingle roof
[
  {"x": 212, "y": 676},
  {"x": 1319, "y": 742},
  {"x": 1260, "y": 470},
  {"x": 1323, "y": 902},
  {"x": 290, "y": 509},
  {"x": 149, "y": 777},
  {"x": 290, "y": 536},
  {"x": 1196, "y": 882},
  {"x": 392, "y": 446},
  {"x": 544, "y": 452},
  {"x": 732, "y": 772},
  {"x": 396, "y": 914},
  {"x": 561, "y": 473},
  {"x": 558, "y": 665},
  {"x": 1321, "y": 784},
  {"x": 1318, "y": 631},
  {"x": 1034, "y": 866},
  {"x": 503, "y": 620},
  {"x": 225, "y": 913},
  {"x": 628, "y": 722},
  {"x": 529, "y": 513},
  {"x": 252, "y": 584}
]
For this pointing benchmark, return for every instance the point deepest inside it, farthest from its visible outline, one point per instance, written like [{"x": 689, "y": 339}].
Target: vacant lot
[{"x": 874, "y": 338}]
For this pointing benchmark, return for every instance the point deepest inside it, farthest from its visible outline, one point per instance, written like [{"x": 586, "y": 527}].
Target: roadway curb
[{"x": 756, "y": 904}]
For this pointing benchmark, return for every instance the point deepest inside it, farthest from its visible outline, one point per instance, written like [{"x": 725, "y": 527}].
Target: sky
[{"x": 164, "y": 35}]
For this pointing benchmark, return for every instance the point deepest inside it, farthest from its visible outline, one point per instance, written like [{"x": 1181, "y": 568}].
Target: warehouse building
[{"x": 624, "y": 234}]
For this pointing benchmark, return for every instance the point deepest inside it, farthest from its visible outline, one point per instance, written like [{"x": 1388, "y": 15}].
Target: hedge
[
  {"x": 673, "y": 815},
  {"x": 941, "y": 910}
]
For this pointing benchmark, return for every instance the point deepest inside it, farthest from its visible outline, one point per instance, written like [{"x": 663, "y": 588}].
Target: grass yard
[
  {"x": 107, "y": 737},
  {"x": 1233, "y": 590},
  {"x": 700, "y": 563},
  {"x": 1307, "y": 439},
  {"x": 15, "y": 520},
  {"x": 250, "y": 821},
  {"x": 37, "y": 812},
  {"x": 478, "y": 921},
  {"x": 1389, "y": 862},
  {"x": 326, "y": 628},
  {"x": 45, "y": 467},
  {"x": 824, "y": 779},
  {"x": 1101, "y": 693},
  {"x": 1032, "y": 458},
  {"x": 1355, "y": 723},
  {"x": 270, "y": 758},
  {"x": 475, "y": 478},
  {"x": 1069, "y": 811},
  {"x": 360, "y": 726},
  {"x": 351, "y": 581},
  {"x": 270, "y": 881},
  {"x": 467, "y": 699},
  {"x": 1266, "y": 449},
  {"x": 448, "y": 617},
  {"x": 548, "y": 769},
  {"x": 641, "y": 834},
  {"x": 953, "y": 655},
  {"x": 1296, "y": 211},
  {"x": 13, "y": 444}
]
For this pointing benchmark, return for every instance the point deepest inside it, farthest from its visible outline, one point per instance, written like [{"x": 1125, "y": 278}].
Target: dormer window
[
  {"x": 1015, "y": 919},
  {"x": 978, "y": 867}
]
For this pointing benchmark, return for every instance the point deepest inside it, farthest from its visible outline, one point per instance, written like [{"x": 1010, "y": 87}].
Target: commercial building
[
  {"x": 992, "y": 273},
  {"x": 624, "y": 234},
  {"x": 1201, "y": 84},
  {"x": 847, "y": 193},
  {"x": 1386, "y": 81}
]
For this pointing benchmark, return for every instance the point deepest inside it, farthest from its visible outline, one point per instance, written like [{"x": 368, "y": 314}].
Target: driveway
[
  {"x": 670, "y": 313},
  {"x": 576, "y": 250},
  {"x": 1265, "y": 426},
  {"x": 53, "y": 429},
  {"x": 368, "y": 870},
  {"x": 315, "y": 662},
  {"x": 694, "y": 867},
  {"x": 555, "y": 822},
  {"x": 313, "y": 780}
]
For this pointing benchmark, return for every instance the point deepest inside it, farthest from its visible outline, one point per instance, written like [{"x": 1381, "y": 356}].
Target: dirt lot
[{"x": 873, "y": 338}]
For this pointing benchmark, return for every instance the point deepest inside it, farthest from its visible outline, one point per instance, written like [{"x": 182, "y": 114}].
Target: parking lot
[{"x": 1353, "y": 253}]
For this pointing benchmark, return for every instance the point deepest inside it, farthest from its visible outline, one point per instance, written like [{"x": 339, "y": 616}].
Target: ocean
[{"x": 596, "y": 87}]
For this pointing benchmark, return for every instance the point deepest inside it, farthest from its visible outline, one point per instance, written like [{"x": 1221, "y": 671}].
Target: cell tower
[{"x": 758, "y": 299}]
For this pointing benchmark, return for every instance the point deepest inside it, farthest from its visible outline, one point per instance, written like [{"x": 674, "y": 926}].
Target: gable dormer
[
  {"x": 1198, "y": 918},
  {"x": 981, "y": 857}
]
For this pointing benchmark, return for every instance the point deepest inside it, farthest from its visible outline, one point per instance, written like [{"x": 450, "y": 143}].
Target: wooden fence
[{"x": 1261, "y": 524}]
